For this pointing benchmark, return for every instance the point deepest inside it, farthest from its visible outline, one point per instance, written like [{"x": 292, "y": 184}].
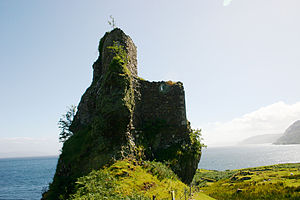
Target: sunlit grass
[
  {"x": 267, "y": 182},
  {"x": 130, "y": 179}
]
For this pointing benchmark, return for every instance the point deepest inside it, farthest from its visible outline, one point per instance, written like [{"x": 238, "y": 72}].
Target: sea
[
  {"x": 27, "y": 178},
  {"x": 238, "y": 157}
]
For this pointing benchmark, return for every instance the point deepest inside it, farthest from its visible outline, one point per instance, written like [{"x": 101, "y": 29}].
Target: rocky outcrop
[
  {"x": 291, "y": 135},
  {"x": 121, "y": 115}
]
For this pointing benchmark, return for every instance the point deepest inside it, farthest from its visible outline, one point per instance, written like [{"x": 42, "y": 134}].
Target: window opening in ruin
[{"x": 161, "y": 88}]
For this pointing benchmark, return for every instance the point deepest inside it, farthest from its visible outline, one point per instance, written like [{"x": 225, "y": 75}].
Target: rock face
[
  {"x": 291, "y": 135},
  {"x": 121, "y": 115}
]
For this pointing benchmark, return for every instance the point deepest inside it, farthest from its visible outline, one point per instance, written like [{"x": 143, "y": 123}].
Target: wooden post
[{"x": 173, "y": 195}]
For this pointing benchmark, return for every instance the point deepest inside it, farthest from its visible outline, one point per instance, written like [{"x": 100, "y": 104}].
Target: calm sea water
[
  {"x": 237, "y": 157},
  {"x": 24, "y": 178}
]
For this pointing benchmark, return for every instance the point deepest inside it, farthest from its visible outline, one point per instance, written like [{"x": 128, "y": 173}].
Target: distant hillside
[
  {"x": 291, "y": 135},
  {"x": 261, "y": 139}
]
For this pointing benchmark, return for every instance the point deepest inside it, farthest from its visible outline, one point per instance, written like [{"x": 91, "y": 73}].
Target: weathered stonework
[
  {"x": 86, "y": 107},
  {"x": 121, "y": 115},
  {"x": 162, "y": 100}
]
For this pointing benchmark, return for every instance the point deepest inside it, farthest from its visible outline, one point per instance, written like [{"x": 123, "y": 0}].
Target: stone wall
[
  {"x": 164, "y": 103},
  {"x": 161, "y": 100}
]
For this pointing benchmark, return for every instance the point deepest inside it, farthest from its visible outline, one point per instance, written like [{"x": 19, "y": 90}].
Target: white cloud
[
  {"x": 27, "y": 146},
  {"x": 271, "y": 119}
]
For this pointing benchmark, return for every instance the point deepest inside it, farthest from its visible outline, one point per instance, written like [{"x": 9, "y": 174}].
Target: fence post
[{"x": 173, "y": 195}]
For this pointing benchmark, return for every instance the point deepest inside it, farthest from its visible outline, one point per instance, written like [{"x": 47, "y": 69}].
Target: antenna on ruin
[{"x": 112, "y": 22}]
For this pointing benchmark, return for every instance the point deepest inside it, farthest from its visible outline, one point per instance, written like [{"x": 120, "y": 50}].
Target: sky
[{"x": 238, "y": 60}]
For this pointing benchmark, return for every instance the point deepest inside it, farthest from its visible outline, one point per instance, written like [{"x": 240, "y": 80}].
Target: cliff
[
  {"x": 291, "y": 135},
  {"x": 121, "y": 115}
]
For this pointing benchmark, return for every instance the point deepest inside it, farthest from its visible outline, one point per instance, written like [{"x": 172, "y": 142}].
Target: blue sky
[{"x": 235, "y": 61}]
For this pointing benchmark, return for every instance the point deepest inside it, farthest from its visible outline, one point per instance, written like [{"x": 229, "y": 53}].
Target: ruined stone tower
[{"x": 121, "y": 115}]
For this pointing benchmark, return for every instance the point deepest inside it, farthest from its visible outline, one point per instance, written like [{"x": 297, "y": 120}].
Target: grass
[
  {"x": 267, "y": 182},
  {"x": 140, "y": 180},
  {"x": 129, "y": 179},
  {"x": 201, "y": 196},
  {"x": 132, "y": 180}
]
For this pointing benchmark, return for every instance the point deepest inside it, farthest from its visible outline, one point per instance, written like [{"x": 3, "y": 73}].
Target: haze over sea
[{"x": 25, "y": 178}]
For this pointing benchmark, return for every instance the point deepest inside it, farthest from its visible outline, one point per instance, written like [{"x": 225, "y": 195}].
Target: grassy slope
[
  {"x": 129, "y": 178},
  {"x": 140, "y": 180},
  {"x": 132, "y": 180},
  {"x": 201, "y": 196},
  {"x": 267, "y": 182}
]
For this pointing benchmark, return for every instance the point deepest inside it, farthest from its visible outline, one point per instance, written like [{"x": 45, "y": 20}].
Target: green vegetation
[
  {"x": 268, "y": 182},
  {"x": 129, "y": 179},
  {"x": 119, "y": 52},
  {"x": 201, "y": 196},
  {"x": 196, "y": 145},
  {"x": 132, "y": 180},
  {"x": 65, "y": 122}
]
